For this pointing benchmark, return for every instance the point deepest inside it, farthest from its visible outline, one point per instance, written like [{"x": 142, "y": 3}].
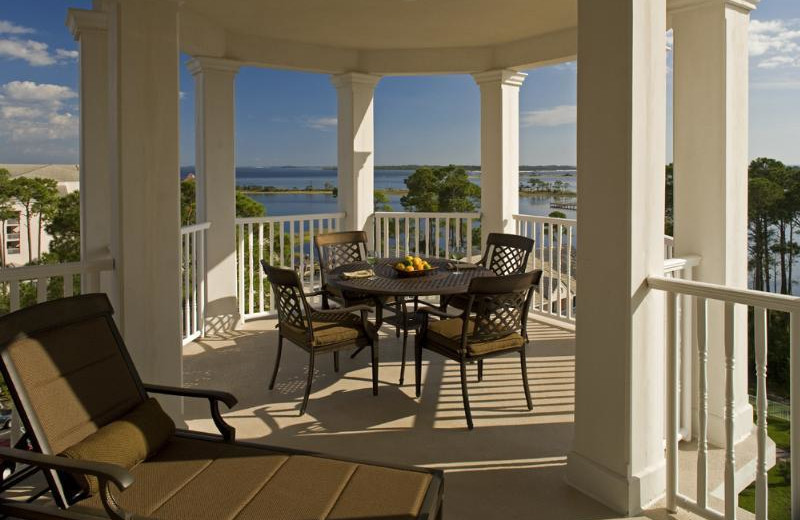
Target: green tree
[
  {"x": 6, "y": 210},
  {"x": 381, "y": 201},
  {"x": 247, "y": 207},
  {"x": 65, "y": 229},
  {"x": 441, "y": 188},
  {"x": 24, "y": 190},
  {"x": 188, "y": 202},
  {"x": 46, "y": 199}
]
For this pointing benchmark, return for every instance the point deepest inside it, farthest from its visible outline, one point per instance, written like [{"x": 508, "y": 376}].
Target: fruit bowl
[{"x": 402, "y": 273}]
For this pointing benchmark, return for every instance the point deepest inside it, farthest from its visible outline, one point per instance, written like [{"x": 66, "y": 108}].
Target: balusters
[
  {"x": 730, "y": 452},
  {"x": 241, "y": 270},
  {"x": 702, "y": 405},
  {"x": 760, "y": 336},
  {"x": 672, "y": 402}
]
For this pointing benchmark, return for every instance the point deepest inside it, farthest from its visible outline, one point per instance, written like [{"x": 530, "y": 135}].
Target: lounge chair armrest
[
  {"x": 319, "y": 292},
  {"x": 214, "y": 398},
  {"x": 106, "y": 474}
]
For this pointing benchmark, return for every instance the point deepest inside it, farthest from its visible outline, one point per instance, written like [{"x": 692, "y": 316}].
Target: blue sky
[{"x": 286, "y": 117}]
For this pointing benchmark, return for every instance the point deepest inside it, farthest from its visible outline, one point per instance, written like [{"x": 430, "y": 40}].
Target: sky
[{"x": 289, "y": 118}]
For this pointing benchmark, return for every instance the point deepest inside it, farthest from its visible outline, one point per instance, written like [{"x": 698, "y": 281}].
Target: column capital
[
  {"x": 82, "y": 20},
  {"x": 500, "y": 77},
  {"x": 677, "y": 6},
  {"x": 355, "y": 78},
  {"x": 199, "y": 64}
]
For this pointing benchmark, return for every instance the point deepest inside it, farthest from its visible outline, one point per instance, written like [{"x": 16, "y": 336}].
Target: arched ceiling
[
  {"x": 382, "y": 36},
  {"x": 391, "y": 24}
]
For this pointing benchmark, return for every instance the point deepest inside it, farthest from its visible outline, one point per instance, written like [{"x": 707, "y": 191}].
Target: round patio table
[{"x": 388, "y": 282}]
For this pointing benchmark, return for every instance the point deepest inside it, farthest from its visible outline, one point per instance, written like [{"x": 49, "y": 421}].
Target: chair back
[
  {"x": 290, "y": 300},
  {"x": 507, "y": 254},
  {"x": 68, "y": 372},
  {"x": 499, "y": 304},
  {"x": 340, "y": 248}
]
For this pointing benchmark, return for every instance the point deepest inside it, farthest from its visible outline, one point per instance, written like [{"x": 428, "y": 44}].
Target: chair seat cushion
[
  {"x": 206, "y": 480},
  {"x": 126, "y": 442},
  {"x": 447, "y": 334},
  {"x": 329, "y": 329}
]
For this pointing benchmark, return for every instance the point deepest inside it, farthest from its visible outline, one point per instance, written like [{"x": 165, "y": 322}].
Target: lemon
[
  {"x": 399, "y": 266},
  {"x": 410, "y": 268}
]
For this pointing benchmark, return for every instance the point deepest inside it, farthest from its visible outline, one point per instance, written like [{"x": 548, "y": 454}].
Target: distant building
[{"x": 15, "y": 234}]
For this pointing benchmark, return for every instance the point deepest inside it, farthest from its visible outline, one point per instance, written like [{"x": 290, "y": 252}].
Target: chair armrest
[
  {"x": 214, "y": 398},
  {"x": 439, "y": 313},
  {"x": 340, "y": 310},
  {"x": 106, "y": 474},
  {"x": 318, "y": 292}
]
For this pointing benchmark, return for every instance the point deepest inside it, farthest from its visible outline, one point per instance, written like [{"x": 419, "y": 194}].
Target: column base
[
  {"x": 625, "y": 495},
  {"x": 742, "y": 421}
]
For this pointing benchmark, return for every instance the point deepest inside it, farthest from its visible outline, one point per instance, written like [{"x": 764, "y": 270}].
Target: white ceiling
[{"x": 390, "y": 24}]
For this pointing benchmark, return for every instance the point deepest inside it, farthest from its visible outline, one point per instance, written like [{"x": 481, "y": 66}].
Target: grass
[{"x": 780, "y": 493}]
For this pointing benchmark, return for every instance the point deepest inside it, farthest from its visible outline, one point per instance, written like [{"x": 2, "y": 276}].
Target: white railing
[
  {"x": 683, "y": 269},
  {"x": 555, "y": 254},
  {"x": 286, "y": 241},
  {"x": 24, "y": 286},
  {"x": 762, "y": 303},
  {"x": 394, "y": 234},
  {"x": 193, "y": 281}
]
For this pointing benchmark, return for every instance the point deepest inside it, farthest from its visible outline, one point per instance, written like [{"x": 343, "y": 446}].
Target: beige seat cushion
[
  {"x": 126, "y": 442},
  {"x": 329, "y": 329},
  {"x": 203, "y": 480},
  {"x": 447, "y": 334}
]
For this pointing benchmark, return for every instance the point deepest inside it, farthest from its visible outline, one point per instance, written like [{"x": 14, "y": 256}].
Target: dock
[{"x": 564, "y": 205}]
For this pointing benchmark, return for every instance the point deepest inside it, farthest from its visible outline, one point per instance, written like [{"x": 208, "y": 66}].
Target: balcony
[{"x": 660, "y": 348}]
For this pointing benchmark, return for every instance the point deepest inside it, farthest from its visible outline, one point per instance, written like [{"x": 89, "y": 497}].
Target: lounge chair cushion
[
  {"x": 447, "y": 334},
  {"x": 75, "y": 378},
  {"x": 126, "y": 442},
  {"x": 193, "y": 479},
  {"x": 329, "y": 329}
]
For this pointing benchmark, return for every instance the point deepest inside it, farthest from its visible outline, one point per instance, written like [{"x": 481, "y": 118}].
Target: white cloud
[
  {"x": 7, "y": 27},
  {"x": 555, "y": 116},
  {"x": 181, "y": 95},
  {"x": 66, "y": 54},
  {"x": 321, "y": 123},
  {"x": 30, "y": 91},
  {"x": 36, "y": 113},
  {"x": 35, "y": 53},
  {"x": 775, "y": 43},
  {"x": 776, "y": 85}
]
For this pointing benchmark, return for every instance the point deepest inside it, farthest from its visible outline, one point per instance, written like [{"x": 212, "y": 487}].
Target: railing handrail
[
  {"x": 195, "y": 227},
  {"x": 427, "y": 214},
  {"x": 31, "y": 272},
  {"x": 711, "y": 291},
  {"x": 672, "y": 265},
  {"x": 552, "y": 220},
  {"x": 288, "y": 218}
]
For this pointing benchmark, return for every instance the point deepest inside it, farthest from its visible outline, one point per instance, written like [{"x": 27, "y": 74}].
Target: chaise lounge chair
[{"x": 108, "y": 450}]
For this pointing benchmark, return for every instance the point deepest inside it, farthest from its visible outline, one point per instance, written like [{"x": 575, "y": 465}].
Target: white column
[
  {"x": 710, "y": 155},
  {"x": 144, "y": 166},
  {"x": 215, "y": 163},
  {"x": 89, "y": 28},
  {"x": 355, "y": 92},
  {"x": 618, "y": 452},
  {"x": 499, "y": 149}
]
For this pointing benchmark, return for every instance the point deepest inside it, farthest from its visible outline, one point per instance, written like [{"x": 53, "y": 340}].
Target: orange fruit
[{"x": 410, "y": 268}]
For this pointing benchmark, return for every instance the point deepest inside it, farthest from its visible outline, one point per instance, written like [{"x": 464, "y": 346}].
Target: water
[{"x": 279, "y": 204}]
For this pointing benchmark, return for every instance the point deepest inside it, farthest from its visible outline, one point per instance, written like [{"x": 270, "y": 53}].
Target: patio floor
[{"x": 512, "y": 465}]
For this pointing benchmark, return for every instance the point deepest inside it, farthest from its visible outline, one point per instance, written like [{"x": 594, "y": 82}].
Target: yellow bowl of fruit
[{"x": 412, "y": 266}]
